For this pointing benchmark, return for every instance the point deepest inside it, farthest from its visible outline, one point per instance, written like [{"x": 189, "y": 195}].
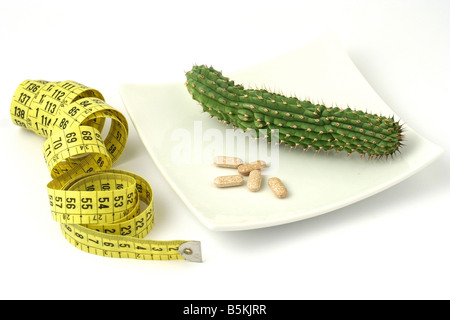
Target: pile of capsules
[{"x": 252, "y": 170}]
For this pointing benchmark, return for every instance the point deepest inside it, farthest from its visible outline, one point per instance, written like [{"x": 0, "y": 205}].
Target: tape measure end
[{"x": 191, "y": 251}]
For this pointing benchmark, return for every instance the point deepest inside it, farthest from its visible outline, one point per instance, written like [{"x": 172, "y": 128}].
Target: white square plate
[{"x": 171, "y": 125}]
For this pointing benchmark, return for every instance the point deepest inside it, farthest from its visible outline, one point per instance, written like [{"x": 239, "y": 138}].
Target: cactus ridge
[{"x": 301, "y": 123}]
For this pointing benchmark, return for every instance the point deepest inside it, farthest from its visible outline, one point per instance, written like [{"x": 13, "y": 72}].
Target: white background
[{"x": 394, "y": 245}]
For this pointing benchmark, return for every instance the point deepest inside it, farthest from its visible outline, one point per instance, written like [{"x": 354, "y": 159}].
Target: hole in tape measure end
[{"x": 191, "y": 251}]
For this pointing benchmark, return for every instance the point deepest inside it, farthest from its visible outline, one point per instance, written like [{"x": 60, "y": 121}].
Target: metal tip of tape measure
[{"x": 191, "y": 251}]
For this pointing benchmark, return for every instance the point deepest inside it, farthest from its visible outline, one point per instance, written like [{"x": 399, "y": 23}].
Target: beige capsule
[
  {"x": 229, "y": 181},
  {"x": 277, "y": 187},
  {"x": 254, "y": 180},
  {"x": 227, "y": 162},
  {"x": 245, "y": 169}
]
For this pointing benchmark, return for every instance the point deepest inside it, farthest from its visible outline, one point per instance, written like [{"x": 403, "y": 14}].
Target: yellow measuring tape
[{"x": 99, "y": 208}]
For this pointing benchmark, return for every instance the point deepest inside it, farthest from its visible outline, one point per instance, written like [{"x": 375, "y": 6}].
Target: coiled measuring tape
[{"x": 99, "y": 208}]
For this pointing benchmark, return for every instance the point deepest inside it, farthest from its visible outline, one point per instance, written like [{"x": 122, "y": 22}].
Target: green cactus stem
[{"x": 299, "y": 123}]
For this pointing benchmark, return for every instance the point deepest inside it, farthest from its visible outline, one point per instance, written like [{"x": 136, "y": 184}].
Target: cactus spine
[{"x": 300, "y": 123}]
